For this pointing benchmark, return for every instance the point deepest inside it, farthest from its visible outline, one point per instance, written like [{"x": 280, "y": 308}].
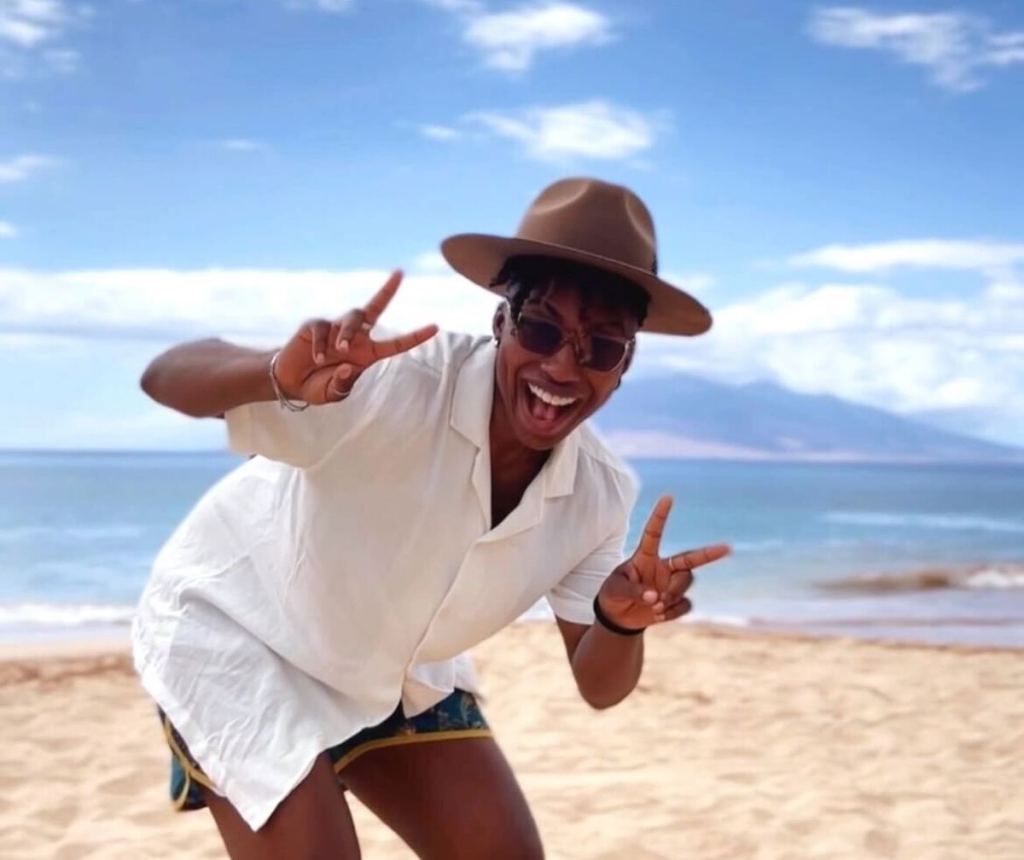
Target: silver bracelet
[{"x": 284, "y": 402}]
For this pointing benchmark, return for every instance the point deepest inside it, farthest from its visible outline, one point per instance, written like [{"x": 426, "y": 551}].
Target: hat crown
[{"x": 594, "y": 217}]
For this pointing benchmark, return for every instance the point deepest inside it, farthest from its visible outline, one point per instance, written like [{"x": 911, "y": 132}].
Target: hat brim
[{"x": 479, "y": 257}]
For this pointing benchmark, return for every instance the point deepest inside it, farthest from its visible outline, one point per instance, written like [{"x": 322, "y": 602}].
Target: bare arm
[
  {"x": 319, "y": 364},
  {"x": 606, "y": 666},
  {"x": 206, "y": 378}
]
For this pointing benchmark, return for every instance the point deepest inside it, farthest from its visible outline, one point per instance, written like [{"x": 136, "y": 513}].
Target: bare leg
[
  {"x": 449, "y": 800},
  {"x": 313, "y": 822}
]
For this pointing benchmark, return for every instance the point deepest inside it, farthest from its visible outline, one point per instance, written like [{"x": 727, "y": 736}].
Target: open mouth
[{"x": 547, "y": 413}]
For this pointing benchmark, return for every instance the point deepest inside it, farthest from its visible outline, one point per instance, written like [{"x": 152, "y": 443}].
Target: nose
[{"x": 563, "y": 366}]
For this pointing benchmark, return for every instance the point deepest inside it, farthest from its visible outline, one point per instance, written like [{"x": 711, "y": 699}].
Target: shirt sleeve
[
  {"x": 572, "y": 598},
  {"x": 304, "y": 438}
]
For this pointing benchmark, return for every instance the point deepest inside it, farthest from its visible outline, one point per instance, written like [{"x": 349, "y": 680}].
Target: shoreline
[{"x": 68, "y": 648}]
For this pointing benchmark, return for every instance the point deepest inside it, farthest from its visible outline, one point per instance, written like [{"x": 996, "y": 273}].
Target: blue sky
[{"x": 840, "y": 184}]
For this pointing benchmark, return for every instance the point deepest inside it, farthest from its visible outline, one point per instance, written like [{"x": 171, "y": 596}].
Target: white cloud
[
  {"x": 510, "y": 40},
  {"x": 260, "y": 305},
  {"x": 29, "y": 30},
  {"x": 439, "y": 132},
  {"x": 979, "y": 255},
  {"x": 1006, "y": 49},
  {"x": 697, "y": 283},
  {"x": 7, "y": 230},
  {"x": 953, "y": 46},
  {"x": 28, "y": 23},
  {"x": 431, "y": 263},
  {"x": 23, "y": 167},
  {"x": 147, "y": 425},
  {"x": 594, "y": 129}
]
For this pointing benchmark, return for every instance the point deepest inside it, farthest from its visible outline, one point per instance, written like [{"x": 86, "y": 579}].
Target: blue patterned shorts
[{"x": 457, "y": 716}]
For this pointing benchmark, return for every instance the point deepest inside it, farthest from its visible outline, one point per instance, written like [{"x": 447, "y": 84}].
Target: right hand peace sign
[
  {"x": 648, "y": 588},
  {"x": 324, "y": 358}
]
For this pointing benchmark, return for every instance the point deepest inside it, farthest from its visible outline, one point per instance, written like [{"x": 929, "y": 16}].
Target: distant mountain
[
  {"x": 961, "y": 420},
  {"x": 681, "y": 415}
]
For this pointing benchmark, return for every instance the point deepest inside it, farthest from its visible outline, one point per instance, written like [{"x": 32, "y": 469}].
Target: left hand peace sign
[{"x": 646, "y": 589}]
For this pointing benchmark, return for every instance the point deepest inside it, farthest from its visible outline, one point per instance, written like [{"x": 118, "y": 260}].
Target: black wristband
[{"x": 608, "y": 624}]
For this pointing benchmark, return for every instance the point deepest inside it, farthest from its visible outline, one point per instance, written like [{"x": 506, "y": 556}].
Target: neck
[{"x": 511, "y": 460}]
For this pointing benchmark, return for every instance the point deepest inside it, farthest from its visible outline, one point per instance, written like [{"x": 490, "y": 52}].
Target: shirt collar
[{"x": 471, "y": 416}]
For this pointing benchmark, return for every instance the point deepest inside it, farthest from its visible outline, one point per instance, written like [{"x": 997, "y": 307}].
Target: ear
[{"x": 498, "y": 321}]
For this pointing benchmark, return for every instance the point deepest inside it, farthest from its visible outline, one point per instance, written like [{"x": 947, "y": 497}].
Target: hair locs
[{"x": 522, "y": 276}]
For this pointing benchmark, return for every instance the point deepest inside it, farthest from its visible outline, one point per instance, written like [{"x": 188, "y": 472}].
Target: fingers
[
  {"x": 674, "y": 610},
  {"x": 674, "y": 575},
  {"x": 625, "y": 583},
  {"x": 692, "y": 558},
  {"x": 376, "y": 306},
  {"x": 679, "y": 582},
  {"x": 639, "y": 586},
  {"x": 348, "y": 326},
  {"x": 644, "y": 605},
  {"x": 318, "y": 336},
  {"x": 403, "y": 343},
  {"x": 334, "y": 335},
  {"x": 340, "y": 383},
  {"x": 650, "y": 541},
  {"x": 672, "y": 585}
]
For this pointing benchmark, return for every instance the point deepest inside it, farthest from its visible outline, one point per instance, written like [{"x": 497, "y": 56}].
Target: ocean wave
[
  {"x": 716, "y": 618},
  {"x": 942, "y": 522},
  {"x": 541, "y": 611},
  {"x": 889, "y": 622},
  {"x": 65, "y": 614},
  {"x": 113, "y": 531},
  {"x": 986, "y": 576}
]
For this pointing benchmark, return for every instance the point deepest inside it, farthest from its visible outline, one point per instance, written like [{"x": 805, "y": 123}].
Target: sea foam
[
  {"x": 940, "y": 522},
  {"x": 64, "y": 614},
  {"x": 978, "y": 576}
]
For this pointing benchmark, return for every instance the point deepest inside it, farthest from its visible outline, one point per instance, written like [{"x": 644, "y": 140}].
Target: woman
[{"x": 303, "y": 629}]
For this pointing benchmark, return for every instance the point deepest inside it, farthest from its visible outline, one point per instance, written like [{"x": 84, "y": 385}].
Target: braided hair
[{"x": 523, "y": 275}]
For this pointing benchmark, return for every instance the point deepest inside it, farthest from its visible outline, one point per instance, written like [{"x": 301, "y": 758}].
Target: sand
[{"x": 734, "y": 746}]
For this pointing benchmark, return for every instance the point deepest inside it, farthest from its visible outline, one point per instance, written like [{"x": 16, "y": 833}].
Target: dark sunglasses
[{"x": 546, "y": 338}]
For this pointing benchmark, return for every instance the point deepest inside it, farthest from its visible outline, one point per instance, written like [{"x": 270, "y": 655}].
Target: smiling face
[{"x": 542, "y": 399}]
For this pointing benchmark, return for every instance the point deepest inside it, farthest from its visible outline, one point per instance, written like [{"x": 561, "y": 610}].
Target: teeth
[{"x": 548, "y": 397}]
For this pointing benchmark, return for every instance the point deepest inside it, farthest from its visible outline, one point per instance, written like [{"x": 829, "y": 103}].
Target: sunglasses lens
[
  {"x": 540, "y": 337},
  {"x": 546, "y": 338},
  {"x": 606, "y": 352}
]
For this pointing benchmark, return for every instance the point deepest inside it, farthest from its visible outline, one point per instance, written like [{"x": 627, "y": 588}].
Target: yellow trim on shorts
[
  {"x": 178, "y": 803},
  {"x": 402, "y": 740},
  {"x": 190, "y": 771}
]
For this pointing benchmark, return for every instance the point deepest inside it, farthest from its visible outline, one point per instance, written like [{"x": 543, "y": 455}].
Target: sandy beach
[{"x": 735, "y": 746}]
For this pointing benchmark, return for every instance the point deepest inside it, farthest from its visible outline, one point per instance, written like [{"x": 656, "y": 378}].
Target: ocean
[{"x": 928, "y": 553}]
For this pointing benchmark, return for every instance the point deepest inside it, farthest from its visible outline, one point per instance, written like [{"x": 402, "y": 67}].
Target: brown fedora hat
[{"x": 593, "y": 222}]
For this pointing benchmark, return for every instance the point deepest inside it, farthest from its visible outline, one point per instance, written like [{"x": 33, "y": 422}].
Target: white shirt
[{"x": 349, "y": 567}]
